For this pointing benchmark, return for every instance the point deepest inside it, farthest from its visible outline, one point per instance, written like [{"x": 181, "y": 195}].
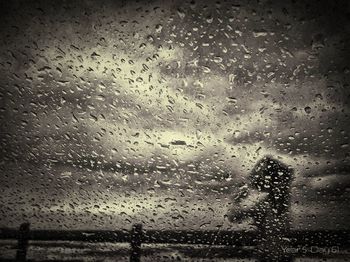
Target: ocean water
[{"x": 79, "y": 251}]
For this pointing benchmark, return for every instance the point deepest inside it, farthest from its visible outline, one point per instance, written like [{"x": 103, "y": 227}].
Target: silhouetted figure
[
  {"x": 273, "y": 177},
  {"x": 267, "y": 201}
]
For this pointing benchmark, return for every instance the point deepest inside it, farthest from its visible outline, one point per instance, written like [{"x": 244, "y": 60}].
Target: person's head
[{"x": 270, "y": 174}]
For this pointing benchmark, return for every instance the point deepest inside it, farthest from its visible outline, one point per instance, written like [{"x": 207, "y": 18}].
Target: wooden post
[
  {"x": 272, "y": 218},
  {"x": 136, "y": 241},
  {"x": 23, "y": 237}
]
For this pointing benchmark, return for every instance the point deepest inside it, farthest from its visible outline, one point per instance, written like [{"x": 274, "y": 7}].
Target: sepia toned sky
[{"x": 187, "y": 94}]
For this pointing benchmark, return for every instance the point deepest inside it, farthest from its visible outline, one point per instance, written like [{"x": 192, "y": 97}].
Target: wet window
[{"x": 174, "y": 130}]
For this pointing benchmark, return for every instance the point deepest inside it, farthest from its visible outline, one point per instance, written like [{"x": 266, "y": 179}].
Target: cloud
[{"x": 118, "y": 90}]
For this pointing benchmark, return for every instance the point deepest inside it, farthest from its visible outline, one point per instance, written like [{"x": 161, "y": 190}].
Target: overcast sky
[{"x": 184, "y": 93}]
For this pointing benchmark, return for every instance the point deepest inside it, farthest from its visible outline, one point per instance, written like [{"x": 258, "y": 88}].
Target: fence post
[
  {"x": 136, "y": 241},
  {"x": 273, "y": 220},
  {"x": 23, "y": 237}
]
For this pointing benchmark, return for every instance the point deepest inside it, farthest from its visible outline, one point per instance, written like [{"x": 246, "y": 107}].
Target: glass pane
[{"x": 203, "y": 116}]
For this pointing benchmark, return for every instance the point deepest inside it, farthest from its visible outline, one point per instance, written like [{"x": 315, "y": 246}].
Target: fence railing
[{"x": 137, "y": 236}]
